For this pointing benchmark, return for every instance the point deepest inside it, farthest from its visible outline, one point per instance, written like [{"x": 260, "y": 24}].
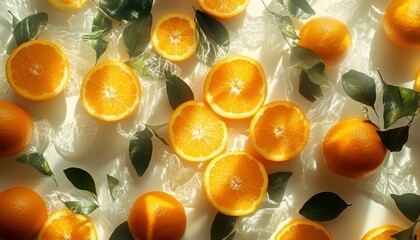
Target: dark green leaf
[
  {"x": 178, "y": 91},
  {"x": 231, "y": 236},
  {"x": 394, "y": 139},
  {"x": 399, "y": 102},
  {"x": 409, "y": 233},
  {"x": 360, "y": 87},
  {"x": 317, "y": 75},
  {"x": 213, "y": 29},
  {"x": 101, "y": 24},
  {"x": 37, "y": 161},
  {"x": 286, "y": 25},
  {"x": 222, "y": 226},
  {"x": 303, "y": 58},
  {"x": 126, "y": 9},
  {"x": 99, "y": 45},
  {"x": 136, "y": 36},
  {"x": 206, "y": 50},
  {"x": 298, "y": 8},
  {"x": 277, "y": 183},
  {"x": 81, "y": 207},
  {"x": 15, "y": 20},
  {"x": 112, "y": 183},
  {"x": 408, "y": 204},
  {"x": 140, "y": 151},
  {"x": 122, "y": 232},
  {"x": 30, "y": 27},
  {"x": 308, "y": 89},
  {"x": 81, "y": 179},
  {"x": 323, "y": 206}
]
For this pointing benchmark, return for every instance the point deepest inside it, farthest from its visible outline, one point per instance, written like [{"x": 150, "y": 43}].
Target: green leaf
[
  {"x": 317, "y": 75},
  {"x": 277, "y": 183},
  {"x": 213, "y": 29},
  {"x": 81, "y": 179},
  {"x": 122, "y": 232},
  {"x": 360, "y": 87},
  {"x": 408, "y": 204},
  {"x": 81, "y": 207},
  {"x": 126, "y": 9},
  {"x": 298, "y": 8},
  {"x": 37, "y": 161},
  {"x": 112, "y": 183},
  {"x": 139, "y": 65},
  {"x": 222, "y": 226},
  {"x": 136, "y": 36},
  {"x": 308, "y": 89},
  {"x": 394, "y": 139},
  {"x": 140, "y": 151},
  {"x": 15, "y": 20},
  {"x": 323, "y": 206},
  {"x": 30, "y": 27},
  {"x": 303, "y": 58},
  {"x": 399, "y": 102},
  {"x": 178, "y": 91},
  {"x": 207, "y": 50},
  {"x": 285, "y": 25},
  {"x": 101, "y": 26},
  {"x": 99, "y": 45},
  {"x": 409, "y": 233}
]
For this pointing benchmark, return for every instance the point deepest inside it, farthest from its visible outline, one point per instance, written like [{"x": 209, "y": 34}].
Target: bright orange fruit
[
  {"x": 196, "y": 133},
  {"x": 67, "y": 4},
  {"x": 235, "y": 183},
  {"x": 37, "y": 70},
  {"x": 110, "y": 91},
  {"x": 279, "y": 131},
  {"x": 174, "y": 36},
  {"x": 223, "y": 9},
  {"x": 236, "y": 87},
  {"x": 303, "y": 229},
  {"x": 382, "y": 233}
]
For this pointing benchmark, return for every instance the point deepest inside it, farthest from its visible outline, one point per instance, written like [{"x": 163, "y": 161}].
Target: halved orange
[
  {"x": 279, "y": 131},
  {"x": 110, "y": 91},
  {"x": 67, "y": 4},
  {"x": 223, "y": 8},
  {"x": 174, "y": 36},
  {"x": 236, "y": 87},
  {"x": 37, "y": 70},
  {"x": 382, "y": 232},
  {"x": 303, "y": 229},
  {"x": 196, "y": 133},
  {"x": 235, "y": 183},
  {"x": 66, "y": 224}
]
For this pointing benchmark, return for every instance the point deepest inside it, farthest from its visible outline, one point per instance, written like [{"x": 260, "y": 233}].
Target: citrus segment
[
  {"x": 111, "y": 91},
  {"x": 37, "y": 70},
  {"x": 67, "y": 4},
  {"x": 157, "y": 216},
  {"x": 174, "y": 36},
  {"x": 196, "y": 133},
  {"x": 223, "y": 9},
  {"x": 235, "y": 183},
  {"x": 279, "y": 131},
  {"x": 236, "y": 87},
  {"x": 382, "y": 233},
  {"x": 303, "y": 229},
  {"x": 66, "y": 224}
]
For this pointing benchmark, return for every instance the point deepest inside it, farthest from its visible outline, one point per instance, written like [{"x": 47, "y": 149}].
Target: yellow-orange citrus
[
  {"x": 328, "y": 37},
  {"x": 16, "y": 129},
  {"x": 67, "y": 4},
  {"x": 23, "y": 212},
  {"x": 157, "y": 216},
  {"x": 223, "y": 9},
  {"x": 303, "y": 229},
  {"x": 382, "y": 232},
  {"x": 352, "y": 148},
  {"x": 401, "y": 23}
]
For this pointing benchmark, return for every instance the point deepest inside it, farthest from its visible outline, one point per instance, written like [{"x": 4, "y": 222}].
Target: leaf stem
[{"x": 55, "y": 180}]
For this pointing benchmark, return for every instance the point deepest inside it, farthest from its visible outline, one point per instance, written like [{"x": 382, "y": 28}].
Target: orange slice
[
  {"x": 223, "y": 8},
  {"x": 196, "y": 133},
  {"x": 235, "y": 183},
  {"x": 236, "y": 87},
  {"x": 37, "y": 70},
  {"x": 111, "y": 91},
  {"x": 382, "y": 233},
  {"x": 66, "y": 224},
  {"x": 303, "y": 229},
  {"x": 279, "y": 131},
  {"x": 174, "y": 36},
  {"x": 67, "y": 4}
]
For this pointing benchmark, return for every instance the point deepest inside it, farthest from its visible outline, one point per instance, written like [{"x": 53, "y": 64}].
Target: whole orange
[
  {"x": 326, "y": 36},
  {"x": 23, "y": 212},
  {"x": 401, "y": 23},
  {"x": 353, "y": 149},
  {"x": 158, "y": 216},
  {"x": 16, "y": 129}
]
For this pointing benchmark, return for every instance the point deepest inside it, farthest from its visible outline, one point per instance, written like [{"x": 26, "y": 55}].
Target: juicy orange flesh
[
  {"x": 223, "y": 6},
  {"x": 38, "y": 69},
  {"x": 198, "y": 131},
  {"x": 236, "y": 183},
  {"x": 304, "y": 232},
  {"x": 280, "y": 131},
  {"x": 175, "y": 36},
  {"x": 385, "y": 235},
  {"x": 109, "y": 92},
  {"x": 237, "y": 86},
  {"x": 68, "y": 227}
]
